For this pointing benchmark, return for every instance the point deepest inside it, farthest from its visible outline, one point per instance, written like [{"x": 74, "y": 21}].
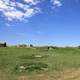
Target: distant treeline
[
  {"x": 37, "y": 47},
  {"x": 3, "y": 44}
]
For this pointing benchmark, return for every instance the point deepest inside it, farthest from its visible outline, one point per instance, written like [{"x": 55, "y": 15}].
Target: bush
[
  {"x": 79, "y": 47},
  {"x": 30, "y": 67}
]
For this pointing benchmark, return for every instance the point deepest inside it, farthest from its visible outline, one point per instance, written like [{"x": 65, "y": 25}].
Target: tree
[{"x": 5, "y": 44}]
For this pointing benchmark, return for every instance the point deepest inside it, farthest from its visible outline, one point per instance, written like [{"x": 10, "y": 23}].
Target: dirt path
[
  {"x": 73, "y": 74},
  {"x": 69, "y": 74}
]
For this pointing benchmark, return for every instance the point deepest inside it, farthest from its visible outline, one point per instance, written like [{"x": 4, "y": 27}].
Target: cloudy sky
[{"x": 40, "y": 22}]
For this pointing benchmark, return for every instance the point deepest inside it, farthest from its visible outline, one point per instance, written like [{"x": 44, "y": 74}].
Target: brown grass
[{"x": 68, "y": 74}]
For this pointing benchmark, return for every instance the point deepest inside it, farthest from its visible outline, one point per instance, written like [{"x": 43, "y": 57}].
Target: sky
[{"x": 40, "y": 22}]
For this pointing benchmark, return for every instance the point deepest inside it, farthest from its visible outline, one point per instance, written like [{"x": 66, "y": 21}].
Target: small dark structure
[{"x": 3, "y": 44}]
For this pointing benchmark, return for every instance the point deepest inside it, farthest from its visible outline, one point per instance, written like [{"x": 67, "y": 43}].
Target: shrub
[
  {"x": 79, "y": 47},
  {"x": 30, "y": 67}
]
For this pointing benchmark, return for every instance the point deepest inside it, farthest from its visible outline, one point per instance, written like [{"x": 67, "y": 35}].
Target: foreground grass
[{"x": 40, "y": 64}]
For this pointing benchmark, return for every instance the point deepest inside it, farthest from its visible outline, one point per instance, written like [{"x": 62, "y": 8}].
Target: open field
[{"x": 39, "y": 64}]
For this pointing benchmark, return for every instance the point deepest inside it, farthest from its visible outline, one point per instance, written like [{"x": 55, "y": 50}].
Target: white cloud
[
  {"x": 16, "y": 10},
  {"x": 33, "y": 2},
  {"x": 56, "y": 3}
]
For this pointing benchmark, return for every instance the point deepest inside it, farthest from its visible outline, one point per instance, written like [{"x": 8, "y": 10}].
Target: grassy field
[{"x": 39, "y": 64}]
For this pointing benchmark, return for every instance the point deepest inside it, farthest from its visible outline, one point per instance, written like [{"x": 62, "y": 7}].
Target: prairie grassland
[{"x": 39, "y": 64}]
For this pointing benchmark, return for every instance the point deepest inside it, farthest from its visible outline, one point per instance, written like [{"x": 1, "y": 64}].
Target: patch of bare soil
[
  {"x": 68, "y": 74},
  {"x": 23, "y": 78}
]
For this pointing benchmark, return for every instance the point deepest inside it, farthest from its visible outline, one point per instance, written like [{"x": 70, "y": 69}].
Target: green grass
[{"x": 36, "y": 61}]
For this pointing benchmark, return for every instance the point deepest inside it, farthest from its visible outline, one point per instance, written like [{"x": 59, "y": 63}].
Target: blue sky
[{"x": 55, "y": 22}]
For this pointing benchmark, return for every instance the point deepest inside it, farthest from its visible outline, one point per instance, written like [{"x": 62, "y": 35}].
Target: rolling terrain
[{"x": 39, "y": 64}]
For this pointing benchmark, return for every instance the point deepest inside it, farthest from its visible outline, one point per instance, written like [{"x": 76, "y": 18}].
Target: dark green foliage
[
  {"x": 3, "y": 44},
  {"x": 79, "y": 47},
  {"x": 31, "y": 45},
  {"x": 30, "y": 67}
]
